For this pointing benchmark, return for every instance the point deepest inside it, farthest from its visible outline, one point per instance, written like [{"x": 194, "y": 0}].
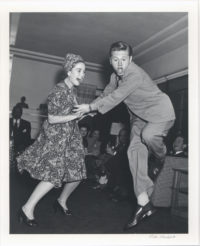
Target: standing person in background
[
  {"x": 57, "y": 156},
  {"x": 151, "y": 117},
  {"x": 20, "y": 130},
  {"x": 22, "y": 104}
]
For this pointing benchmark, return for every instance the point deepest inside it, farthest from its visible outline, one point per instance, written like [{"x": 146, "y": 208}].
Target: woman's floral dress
[{"x": 57, "y": 155}]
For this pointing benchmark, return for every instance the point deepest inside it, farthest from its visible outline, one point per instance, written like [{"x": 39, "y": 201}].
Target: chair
[{"x": 177, "y": 189}]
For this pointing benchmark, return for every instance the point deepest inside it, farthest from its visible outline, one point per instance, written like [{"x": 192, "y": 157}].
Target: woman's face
[
  {"x": 83, "y": 131},
  {"x": 96, "y": 134},
  {"x": 77, "y": 74}
]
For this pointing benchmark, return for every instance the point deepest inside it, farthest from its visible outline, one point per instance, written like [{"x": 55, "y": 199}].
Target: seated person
[
  {"x": 119, "y": 178},
  {"x": 123, "y": 140},
  {"x": 20, "y": 131},
  {"x": 110, "y": 150},
  {"x": 114, "y": 172},
  {"x": 93, "y": 152},
  {"x": 94, "y": 143},
  {"x": 179, "y": 147},
  {"x": 101, "y": 172},
  {"x": 84, "y": 129}
]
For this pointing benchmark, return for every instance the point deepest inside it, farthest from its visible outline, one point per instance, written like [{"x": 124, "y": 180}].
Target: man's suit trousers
[{"x": 146, "y": 138}]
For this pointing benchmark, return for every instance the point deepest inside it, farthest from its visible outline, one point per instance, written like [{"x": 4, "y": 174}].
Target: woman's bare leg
[
  {"x": 66, "y": 192},
  {"x": 40, "y": 190}
]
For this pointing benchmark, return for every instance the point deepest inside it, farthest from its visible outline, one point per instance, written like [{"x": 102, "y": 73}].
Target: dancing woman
[{"x": 57, "y": 155}]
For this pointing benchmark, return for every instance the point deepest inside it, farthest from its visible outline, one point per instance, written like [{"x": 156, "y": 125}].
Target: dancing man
[{"x": 151, "y": 117}]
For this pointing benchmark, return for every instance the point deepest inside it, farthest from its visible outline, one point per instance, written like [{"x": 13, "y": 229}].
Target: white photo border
[{"x": 190, "y": 6}]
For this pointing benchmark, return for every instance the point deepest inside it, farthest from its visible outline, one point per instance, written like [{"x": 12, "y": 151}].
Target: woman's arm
[{"x": 55, "y": 119}]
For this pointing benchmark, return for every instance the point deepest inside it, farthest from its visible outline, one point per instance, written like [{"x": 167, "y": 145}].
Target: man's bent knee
[{"x": 147, "y": 137}]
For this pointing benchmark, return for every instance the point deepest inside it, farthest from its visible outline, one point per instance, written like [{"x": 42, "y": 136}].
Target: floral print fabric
[{"x": 57, "y": 155}]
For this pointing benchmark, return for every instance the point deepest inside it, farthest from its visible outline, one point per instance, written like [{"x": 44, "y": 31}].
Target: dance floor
[{"x": 93, "y": 212}]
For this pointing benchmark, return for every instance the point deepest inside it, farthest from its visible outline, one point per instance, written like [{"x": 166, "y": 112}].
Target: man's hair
[
  {"x": 17, "y": 108},
  {"x": 120, "y": 45}
]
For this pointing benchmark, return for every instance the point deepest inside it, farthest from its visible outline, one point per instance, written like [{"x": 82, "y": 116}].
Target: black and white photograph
[{"x": 99, "y": 135}]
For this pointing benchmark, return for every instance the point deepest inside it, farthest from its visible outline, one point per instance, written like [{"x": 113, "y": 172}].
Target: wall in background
[{"x": 34, "y": 79}]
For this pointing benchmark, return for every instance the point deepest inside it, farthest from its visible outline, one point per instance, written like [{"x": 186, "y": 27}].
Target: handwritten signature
[{"x": 165, "y": 236}]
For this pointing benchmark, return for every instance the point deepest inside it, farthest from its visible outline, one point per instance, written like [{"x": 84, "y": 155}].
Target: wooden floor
[{"x": 94, "y": 212}]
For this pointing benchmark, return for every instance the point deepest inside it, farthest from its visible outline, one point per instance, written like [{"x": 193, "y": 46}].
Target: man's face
[
  {"x": 17, "y": 113},
  {"x": 120, "y": 61},
  {"x": 178, "y": 144},
  {"x": 123, "y": 137}
]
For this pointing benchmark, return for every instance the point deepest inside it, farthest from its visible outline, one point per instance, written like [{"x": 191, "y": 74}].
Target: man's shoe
[{"x": 141, "y": 213}]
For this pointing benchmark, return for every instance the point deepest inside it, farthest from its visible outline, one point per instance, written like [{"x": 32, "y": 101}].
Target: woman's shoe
[
  {"x": 57, "y": 207},
  {"x": 25, "y": 219}
]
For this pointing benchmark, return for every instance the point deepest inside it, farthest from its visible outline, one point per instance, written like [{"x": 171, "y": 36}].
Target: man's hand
[
  {"x": 82, "y": 109},
  {"x": 110, "y": 149}
]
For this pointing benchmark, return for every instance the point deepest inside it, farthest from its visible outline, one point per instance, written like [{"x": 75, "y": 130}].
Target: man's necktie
[{"x": 119, "y": 80}]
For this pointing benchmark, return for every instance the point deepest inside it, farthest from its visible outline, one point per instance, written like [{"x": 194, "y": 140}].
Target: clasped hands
[{"x": 81, "y": 109}]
